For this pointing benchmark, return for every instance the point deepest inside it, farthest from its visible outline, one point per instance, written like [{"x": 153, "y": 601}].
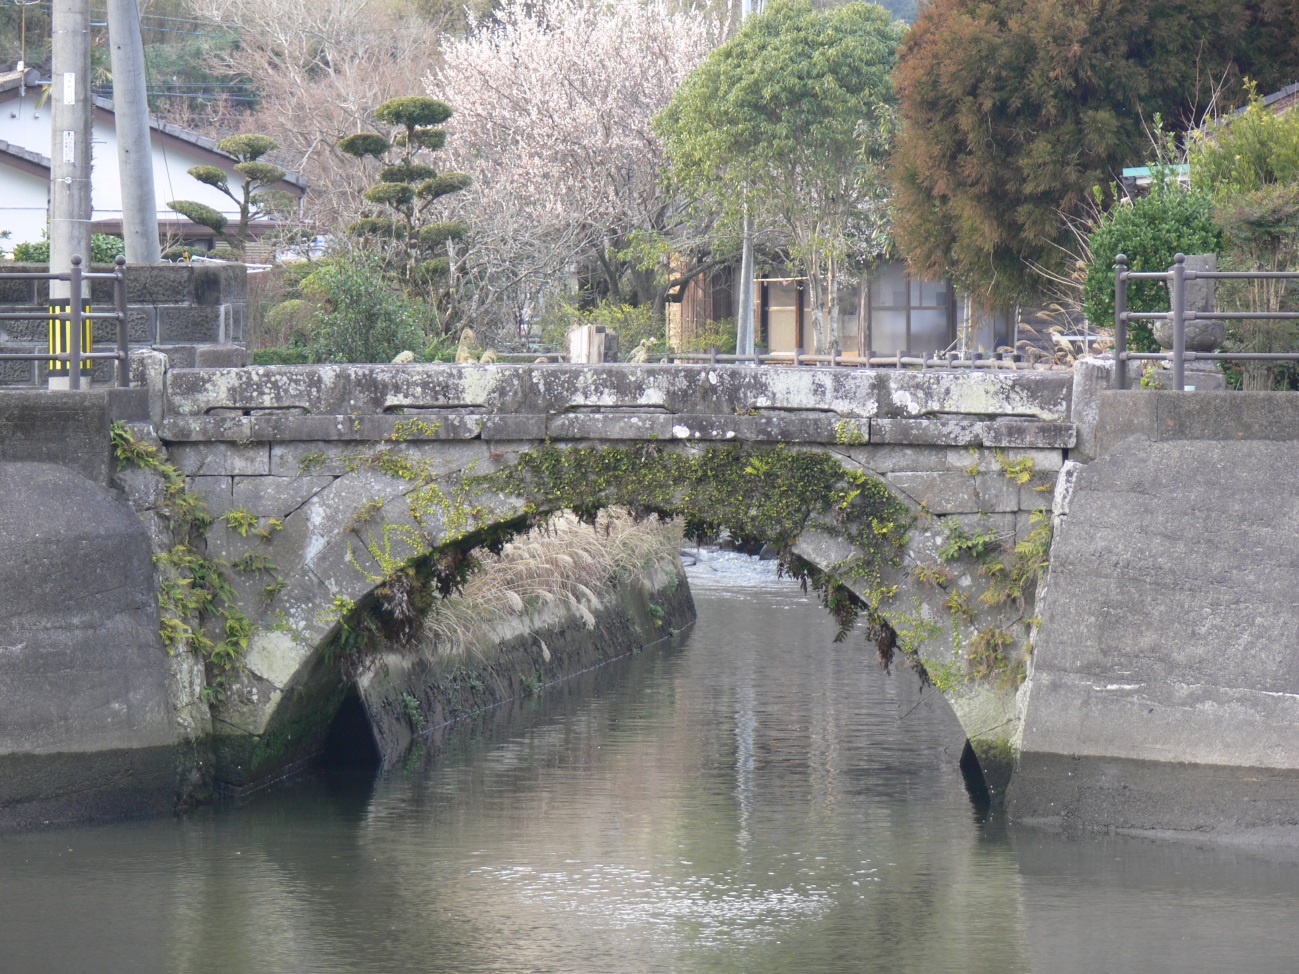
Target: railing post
[
  {"x": 1121, "y": 319},
  {"x": 74, "y": 324},
  {"x": 1178, "y": 275},
  {"x": 123, "y": 342}
]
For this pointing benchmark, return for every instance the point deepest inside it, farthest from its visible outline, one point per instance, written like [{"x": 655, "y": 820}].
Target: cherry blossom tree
[{"x": 554, "y": 105}]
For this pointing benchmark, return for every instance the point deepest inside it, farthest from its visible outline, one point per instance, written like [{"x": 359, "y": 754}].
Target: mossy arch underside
[{"x": 386, "y": 530}]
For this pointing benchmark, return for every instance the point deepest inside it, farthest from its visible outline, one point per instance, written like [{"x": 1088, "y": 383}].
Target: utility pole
[
  {"x": 134, "y": 155},
  {"x": 69, "y": 139},
  {"x": 744, "y": 339}
]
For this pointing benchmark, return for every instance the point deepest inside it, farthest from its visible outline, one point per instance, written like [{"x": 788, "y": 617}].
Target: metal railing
[
  {"x": 76, "y": 317},
  {"x": 902, "y": 359},
  {"x": 1176, "y": 277}
]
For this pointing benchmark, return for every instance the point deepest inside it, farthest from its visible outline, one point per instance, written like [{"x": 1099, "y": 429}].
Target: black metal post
[
  {"x": 123, "y": 340},
  {"x": 1177, "y": 283},
  {"x": 1121, "y": 319},
  {"x": 74, "y": 324}
]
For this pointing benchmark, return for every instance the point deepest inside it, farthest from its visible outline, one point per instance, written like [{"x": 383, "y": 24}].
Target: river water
[{"x": 755, "y": 799}]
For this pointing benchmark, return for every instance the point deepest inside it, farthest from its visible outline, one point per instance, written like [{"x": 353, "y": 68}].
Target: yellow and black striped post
[{"x": 61, "y": 337}]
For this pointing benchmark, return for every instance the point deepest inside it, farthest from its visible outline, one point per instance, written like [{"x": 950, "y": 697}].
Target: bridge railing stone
[{"x": 501, "y": 402}]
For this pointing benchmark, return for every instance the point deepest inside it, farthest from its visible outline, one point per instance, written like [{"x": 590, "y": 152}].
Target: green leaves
[
  {"x": 1150, "y": 231},
  {"x": 212, "y": 176},
  {"x": 364, "y": 144},
  {"x": 247, "y": 147},
  {"x": 199, "y": 213},
  {"x": 413, "y": 111}
]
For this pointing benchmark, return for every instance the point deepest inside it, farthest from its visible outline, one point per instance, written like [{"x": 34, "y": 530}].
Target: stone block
[
  {"x": 1225, "y": 416},
  {"x": 69, "y": 429},
  {"x": 221, "y": 357},
  {"x": 188, "y": 325},
  {"x": 83, "y": 672},
  {"x": 33, "y": 329},
  {"x": 17, "y": 373},
  {"x": 1124, "y": 413},
  {"x": 323, "y": 458},
  {"x": 277, "y": 496},
  {"x": 178, "y": 356},
  {"x": 158, "y": 284},
  {"x": 221, "y": 459},
  {"x": 966, "y": 392},
  {"x": 954, "y": 493},
  {"x": 140, "y": 328},
  {"x": 227, "y": 428},
  {"x": 514, "y": 427},
  {"x": 130, "y": 405},
  {"x": 1023, "y": 434},
  {"x": 216, "y": 284},
  {"x": 101, "y": 292},
  {"x": 16, "y": 292},
  {"x": 892, "y": 459},
  {"x": 935, "y": 431},
  {"x": 215, "y": 491}
]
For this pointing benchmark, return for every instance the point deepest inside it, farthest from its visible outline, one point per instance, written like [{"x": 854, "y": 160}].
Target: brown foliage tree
[{"x": 1013, "y": 110}]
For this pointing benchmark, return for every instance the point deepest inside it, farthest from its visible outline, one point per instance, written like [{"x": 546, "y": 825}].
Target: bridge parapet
[{"x": 517, "y": 403}]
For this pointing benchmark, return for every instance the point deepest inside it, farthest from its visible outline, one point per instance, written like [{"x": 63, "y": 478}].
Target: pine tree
[{"x": 408, "y": 185}]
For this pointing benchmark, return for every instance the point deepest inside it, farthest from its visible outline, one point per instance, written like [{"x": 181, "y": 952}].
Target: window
[{"x": 908, "y": 314}]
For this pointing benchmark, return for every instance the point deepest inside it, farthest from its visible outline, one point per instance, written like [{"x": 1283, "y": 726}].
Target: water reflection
[{"x": 755, "y": 800}]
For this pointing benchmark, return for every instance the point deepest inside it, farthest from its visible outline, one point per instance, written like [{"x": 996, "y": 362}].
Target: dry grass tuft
[{"x": 562, "y": 562}]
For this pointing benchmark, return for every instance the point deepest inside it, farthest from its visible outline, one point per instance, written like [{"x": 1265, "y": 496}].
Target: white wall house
[{"x": 25, "y": 169}]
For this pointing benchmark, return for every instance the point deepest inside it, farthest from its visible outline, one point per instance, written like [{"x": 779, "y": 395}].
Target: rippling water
[{"x": 757, "y": 799}]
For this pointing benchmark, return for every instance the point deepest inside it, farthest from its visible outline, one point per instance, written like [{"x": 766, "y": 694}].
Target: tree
[
  {"x": 320, "y": 67},
  {"x": 554, "y": 107},
  {"x": 793, "y": 118},
  {"x": 1013, "y": 110},
  {"x": 408, "y": 185},
  {"x": 251, "y": 196},
  {"x": 1249, "y": 164}
]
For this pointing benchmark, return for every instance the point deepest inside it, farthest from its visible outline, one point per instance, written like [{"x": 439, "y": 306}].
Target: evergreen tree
[
  {"x": 408, "y": 185},
  {"x": 251, "y": 196},
  {"x": 1013, "y": 110}
]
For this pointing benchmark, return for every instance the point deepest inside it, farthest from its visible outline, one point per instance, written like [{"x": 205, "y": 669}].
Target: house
[
  {"x": 25, "y": 169},
  {"x": 889, "y": 311}
]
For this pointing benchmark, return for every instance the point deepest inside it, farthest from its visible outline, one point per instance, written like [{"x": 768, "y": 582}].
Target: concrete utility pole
[
  {"x": 69, "y": 139},
  {"x": 744, "y": 339},
  {"x": 134, "y": 156}
]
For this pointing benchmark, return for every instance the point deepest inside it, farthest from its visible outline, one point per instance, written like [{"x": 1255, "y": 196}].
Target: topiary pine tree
[
  {"x": 408, "y": 186},
  {"x": 251, "y": 196}
]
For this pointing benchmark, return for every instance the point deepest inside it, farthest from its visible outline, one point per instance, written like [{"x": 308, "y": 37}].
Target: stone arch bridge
[{"x": 334, "y": 475}]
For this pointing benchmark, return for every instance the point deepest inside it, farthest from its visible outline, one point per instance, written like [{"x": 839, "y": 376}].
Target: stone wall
[
  {"x": 1164, "y": 691},
  {"x": 179, "y": 308},
  {"x": 88, "y": 709}
]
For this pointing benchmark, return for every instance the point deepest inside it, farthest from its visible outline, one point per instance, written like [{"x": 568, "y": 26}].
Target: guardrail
[
  {"x": 68, "y": 346},
  {"x": 1176, "y": 278},
  {"x": 1005, "y": 359}
]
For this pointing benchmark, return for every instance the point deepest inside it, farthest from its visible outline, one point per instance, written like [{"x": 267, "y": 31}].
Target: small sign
[
  {"x": 70, "y": 146},
  {"x": 69, "y": 87}
]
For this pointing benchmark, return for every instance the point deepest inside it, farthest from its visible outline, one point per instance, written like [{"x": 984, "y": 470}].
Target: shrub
[
  {"x": 1150, "y": 231},
  {"x": 104, "y": 249},
  {"x": 361, "y": 317}
]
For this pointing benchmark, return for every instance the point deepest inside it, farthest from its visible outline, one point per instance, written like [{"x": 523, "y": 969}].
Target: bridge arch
[{"x": 347, "y": 479}]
